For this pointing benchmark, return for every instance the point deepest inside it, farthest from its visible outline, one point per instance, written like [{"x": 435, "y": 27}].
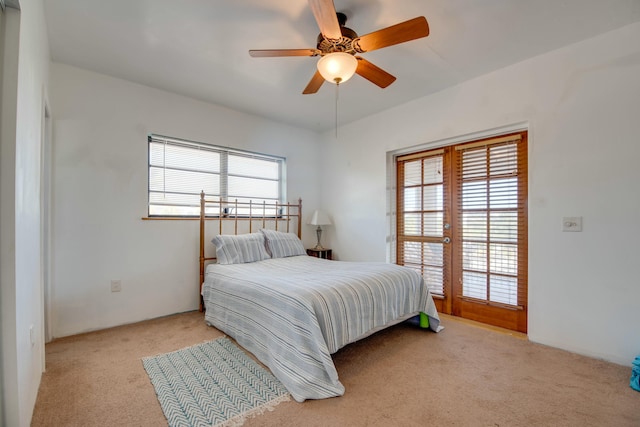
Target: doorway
[{"x": 462, "y": 223}]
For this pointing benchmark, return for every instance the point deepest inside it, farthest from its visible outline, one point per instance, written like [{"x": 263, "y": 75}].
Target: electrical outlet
[
  {"x": 572, "y": 223},
  {"x": 116, "y": 286}
]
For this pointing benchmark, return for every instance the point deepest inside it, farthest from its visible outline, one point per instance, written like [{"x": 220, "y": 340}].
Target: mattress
[{"x": 292, "y": 313}]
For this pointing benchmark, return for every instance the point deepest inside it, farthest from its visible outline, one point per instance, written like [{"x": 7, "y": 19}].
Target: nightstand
[{"x": 320, "y": 253}]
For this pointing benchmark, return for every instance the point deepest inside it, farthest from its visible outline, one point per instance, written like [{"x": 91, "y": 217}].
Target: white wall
[
  {"x": 22, "y": 111},
  {"x": 9, "y": 37},
  {"x": 582, "y": 105},
  {"x": 100, "y": 194}
]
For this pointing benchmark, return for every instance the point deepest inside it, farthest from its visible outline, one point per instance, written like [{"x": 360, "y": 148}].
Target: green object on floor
[{"x": 424, "y": 320}]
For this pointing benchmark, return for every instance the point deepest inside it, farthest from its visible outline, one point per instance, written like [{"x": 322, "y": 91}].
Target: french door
[{"x": 462, "y": 223}]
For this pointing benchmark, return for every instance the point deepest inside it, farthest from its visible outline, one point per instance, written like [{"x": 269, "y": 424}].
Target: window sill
[
  {"x": 212, "y": 218},
  {"x": 171, "y": 218}
]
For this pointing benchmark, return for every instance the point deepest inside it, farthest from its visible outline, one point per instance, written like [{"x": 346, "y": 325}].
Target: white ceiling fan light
[{"x": 337, "y": 67}]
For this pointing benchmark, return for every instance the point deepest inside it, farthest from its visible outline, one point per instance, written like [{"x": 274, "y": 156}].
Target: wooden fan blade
[
  {"x": 261, "y": 53},
  {"x": 374, "y": 74},
  {"x": 326, "y": 17},
  {"x": 403, "y": 32},
  {"x": 314, "y": 84}
]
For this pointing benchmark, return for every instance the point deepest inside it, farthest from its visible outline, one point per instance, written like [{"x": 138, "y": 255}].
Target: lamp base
[{"x": 319, "y": 235}]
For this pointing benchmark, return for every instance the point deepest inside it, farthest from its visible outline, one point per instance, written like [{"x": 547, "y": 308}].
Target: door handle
[{"x": 446, "y": 240}]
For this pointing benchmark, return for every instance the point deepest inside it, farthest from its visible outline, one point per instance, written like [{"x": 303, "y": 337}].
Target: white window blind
[
  {"x": 492, "y": 202},
  {"x": 421, "y": 208},
  {"x": 179, "y": 170}
]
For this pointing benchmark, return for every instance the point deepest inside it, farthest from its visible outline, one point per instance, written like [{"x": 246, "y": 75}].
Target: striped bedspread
[{"x": 293, "y": 313}]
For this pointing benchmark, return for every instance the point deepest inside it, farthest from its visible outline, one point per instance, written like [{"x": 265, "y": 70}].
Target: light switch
[{"x": 572, "y": 223}]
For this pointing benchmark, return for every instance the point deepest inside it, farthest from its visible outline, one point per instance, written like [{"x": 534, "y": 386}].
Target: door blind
[
  {"x": 421, "y": 209},
  {"x": 491, "y": 179}
]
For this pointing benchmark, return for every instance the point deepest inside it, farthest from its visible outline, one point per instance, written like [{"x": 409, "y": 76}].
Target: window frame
[{"x": 223, "y": 177}]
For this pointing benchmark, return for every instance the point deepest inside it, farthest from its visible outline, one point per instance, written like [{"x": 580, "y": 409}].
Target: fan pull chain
[{"x": 336, "y": 118}]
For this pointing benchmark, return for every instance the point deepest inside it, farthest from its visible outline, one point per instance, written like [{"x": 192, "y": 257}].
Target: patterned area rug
[{"x": 212, "y": 384}]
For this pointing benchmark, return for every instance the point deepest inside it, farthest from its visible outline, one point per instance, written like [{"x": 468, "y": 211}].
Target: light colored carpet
[
  {"x": 212, "y": 384},
  {"x": 404, "y": 376}
]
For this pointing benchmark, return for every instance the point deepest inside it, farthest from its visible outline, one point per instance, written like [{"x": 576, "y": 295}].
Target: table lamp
[{"x": 319, "y": 218}]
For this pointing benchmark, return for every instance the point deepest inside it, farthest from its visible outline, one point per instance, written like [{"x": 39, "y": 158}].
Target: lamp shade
[
  {"x": 337, "y": 67},
  {"x": 319, "y": 218}
]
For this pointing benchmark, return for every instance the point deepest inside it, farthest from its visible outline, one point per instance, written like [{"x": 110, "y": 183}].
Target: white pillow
[
  {"x": 240, "y": 249},
  {"x": 282, "y": 245}
]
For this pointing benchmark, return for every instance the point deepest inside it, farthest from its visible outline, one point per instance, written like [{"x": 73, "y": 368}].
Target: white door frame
[{"x": 45, "y": 221}]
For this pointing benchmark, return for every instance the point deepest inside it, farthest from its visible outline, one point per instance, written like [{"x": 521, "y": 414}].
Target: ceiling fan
[{"x": 339, "y": 46}]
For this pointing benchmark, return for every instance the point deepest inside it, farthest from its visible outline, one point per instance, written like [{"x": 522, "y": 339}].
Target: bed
[{"x": 292, "y": 311}]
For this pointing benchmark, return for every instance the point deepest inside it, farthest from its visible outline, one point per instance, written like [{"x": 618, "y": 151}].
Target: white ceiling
[{"x": 199, "y": 48}]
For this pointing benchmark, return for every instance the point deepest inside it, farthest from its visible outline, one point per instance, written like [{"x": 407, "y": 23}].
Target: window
[{"x": 179, "y": 170}]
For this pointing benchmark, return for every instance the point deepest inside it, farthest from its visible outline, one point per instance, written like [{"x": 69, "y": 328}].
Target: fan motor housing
[{"x": 343, "y": 44}]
